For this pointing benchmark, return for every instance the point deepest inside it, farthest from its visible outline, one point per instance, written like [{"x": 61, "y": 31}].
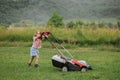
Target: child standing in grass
[{"x": 37, "y": 42}]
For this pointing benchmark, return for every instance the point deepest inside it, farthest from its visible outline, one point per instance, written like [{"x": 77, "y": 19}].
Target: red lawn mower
[{"x": 66, "y": 64}]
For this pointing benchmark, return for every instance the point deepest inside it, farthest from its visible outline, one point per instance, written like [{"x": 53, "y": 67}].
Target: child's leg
[
  {"x": 36, "y": 61},
  {"x": 31, "y": 59},
  {"x": 37, "y": 58}
]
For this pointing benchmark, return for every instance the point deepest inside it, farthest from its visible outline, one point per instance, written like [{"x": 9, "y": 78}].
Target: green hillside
[{"x": 40, "y": 10}]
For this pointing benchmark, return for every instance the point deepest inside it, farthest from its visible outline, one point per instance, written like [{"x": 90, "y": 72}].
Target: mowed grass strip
[{"x": 13, "y": 65}]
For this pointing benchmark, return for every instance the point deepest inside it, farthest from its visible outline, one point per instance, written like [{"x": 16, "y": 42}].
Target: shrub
[
  {"x": 56, "y": 20},
  {"x": 101, "y": 25},
  {"x": 79, "y": 23},
  {"x": 71, "y": 24}
]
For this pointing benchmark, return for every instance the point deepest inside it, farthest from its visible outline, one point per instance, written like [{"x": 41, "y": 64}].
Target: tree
[{"x": 56, "y": 20}]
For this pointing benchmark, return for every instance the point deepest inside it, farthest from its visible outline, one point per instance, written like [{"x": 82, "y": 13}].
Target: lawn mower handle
[
  {"x": 46, "y": 37},
  {"x": 45, "y": 33},
  {"x": 60, "y": 43}
]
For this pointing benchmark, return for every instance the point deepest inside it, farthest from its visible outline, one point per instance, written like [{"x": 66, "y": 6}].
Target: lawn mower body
[{"x": 67, "y": 64}]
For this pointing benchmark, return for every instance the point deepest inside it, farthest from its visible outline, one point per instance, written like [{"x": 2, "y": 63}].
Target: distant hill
[{"x": 40, "y": 10}]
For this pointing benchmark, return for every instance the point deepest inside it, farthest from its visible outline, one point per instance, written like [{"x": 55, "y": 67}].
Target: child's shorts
[{"x": 34, "y": 51}]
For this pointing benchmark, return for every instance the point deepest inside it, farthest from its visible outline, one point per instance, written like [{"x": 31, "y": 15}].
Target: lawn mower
[{"x": 61, "y": 61}]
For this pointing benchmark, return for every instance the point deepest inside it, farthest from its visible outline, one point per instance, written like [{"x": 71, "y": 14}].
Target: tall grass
[
  {"x": 80, "y": 36},
  {"x": 18, "y": 33},
  {"x": 98, "y": 36}
]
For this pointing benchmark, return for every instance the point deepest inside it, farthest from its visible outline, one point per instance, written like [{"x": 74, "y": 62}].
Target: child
[{"x": 37, "y": 42}]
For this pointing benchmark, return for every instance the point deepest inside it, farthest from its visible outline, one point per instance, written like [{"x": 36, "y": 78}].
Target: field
[
  {"x": 76, "y": 36},
  {"x": 100, "y": 47},
  {"x": 13, "y": 64},
  {"x": 90, "y": 31}
]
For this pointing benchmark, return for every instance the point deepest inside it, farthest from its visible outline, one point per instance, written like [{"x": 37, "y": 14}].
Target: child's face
[{"x": 38, "y": 34}]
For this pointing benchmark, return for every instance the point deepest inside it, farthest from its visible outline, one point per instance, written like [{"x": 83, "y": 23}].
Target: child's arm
[{"x": 37, "y": 37}]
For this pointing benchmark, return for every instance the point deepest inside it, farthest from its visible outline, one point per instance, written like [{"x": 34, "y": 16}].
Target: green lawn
[{"x": 13, "y": 65}]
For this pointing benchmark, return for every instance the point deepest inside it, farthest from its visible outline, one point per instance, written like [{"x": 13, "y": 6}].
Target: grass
[
  {"x": 13, "y": 65},
  {"x": 80, "y": 36},
  {"x": 103, "y": 57}
]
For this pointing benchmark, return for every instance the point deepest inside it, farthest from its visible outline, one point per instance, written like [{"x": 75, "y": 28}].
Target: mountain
[{"x": 41, "y": 10}]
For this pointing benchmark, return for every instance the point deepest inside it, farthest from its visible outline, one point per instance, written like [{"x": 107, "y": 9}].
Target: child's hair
[{"x": 38, "y": 32}]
